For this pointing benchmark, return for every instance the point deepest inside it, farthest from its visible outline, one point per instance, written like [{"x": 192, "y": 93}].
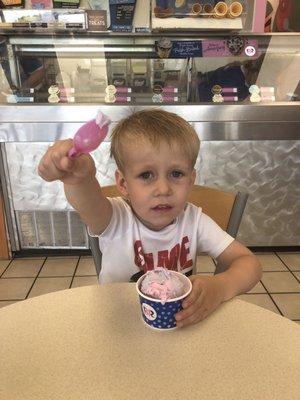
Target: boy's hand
[
  {"x": 206, "y": 295},
  {"x": 56, "y": 165}
]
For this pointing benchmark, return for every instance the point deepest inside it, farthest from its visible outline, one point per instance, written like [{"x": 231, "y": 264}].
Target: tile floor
[{"x": 20, "y": 279}]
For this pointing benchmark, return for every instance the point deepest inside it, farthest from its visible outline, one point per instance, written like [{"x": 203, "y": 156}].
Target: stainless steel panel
[
  {"x": 48, "y": 229},
  {"x": 267, "y": 170},
  {"x": 285, "y": 111},
  {"x": 26, "y": 229},
  {"x": 280, "y": 121},
  {"x": 5, "y": 187},
  {"x": 270, "y": 172},
  {"x": 77, "y": 231},
  {"x": 61, "y": 229},
  {"x": 45, "y": 235},
  {"x": 30, "y": 192},
  {"x": 207, "y": 131}
]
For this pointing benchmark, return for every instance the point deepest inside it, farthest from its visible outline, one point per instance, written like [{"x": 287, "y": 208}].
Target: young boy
[{"x": 152, "y": 224}]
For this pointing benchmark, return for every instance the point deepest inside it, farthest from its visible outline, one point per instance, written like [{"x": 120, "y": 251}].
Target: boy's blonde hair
[{"x": 156, "y": 126}]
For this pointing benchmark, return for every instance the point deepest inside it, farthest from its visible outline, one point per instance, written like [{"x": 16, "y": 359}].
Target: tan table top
[{"x": 90, "y": 343}]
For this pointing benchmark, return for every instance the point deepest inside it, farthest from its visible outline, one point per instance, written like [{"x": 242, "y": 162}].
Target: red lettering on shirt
[
  {"x": 165, "y": 258},
  {"x": 145, "y": 262},
  {"x": 184, "y": 251},
  {"x": 166, "y": 261}
]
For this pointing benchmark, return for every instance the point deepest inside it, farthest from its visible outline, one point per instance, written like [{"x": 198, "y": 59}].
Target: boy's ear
[{"x": 121, "y": 183}]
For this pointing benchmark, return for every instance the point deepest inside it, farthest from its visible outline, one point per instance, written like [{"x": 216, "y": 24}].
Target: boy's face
[{"x": 156, "y": 181}]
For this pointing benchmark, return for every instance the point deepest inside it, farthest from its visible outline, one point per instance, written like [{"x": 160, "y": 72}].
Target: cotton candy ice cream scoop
[
  {"x": 90, "y": 135},
  {"x": 162, "y": 284}
]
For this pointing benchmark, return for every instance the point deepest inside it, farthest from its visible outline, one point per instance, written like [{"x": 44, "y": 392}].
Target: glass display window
[{"x": 146, "y": 70}]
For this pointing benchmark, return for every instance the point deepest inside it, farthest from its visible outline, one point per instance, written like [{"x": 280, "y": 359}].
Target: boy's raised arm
[{"x": 81, "y": 187}]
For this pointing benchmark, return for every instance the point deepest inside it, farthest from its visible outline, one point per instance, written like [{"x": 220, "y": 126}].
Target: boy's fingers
[
  {"x": 198, "y": 313},
  {"x": 194, "y": 295},
  {"x": 55, "y": 162},
  {"x": 188, "y": 312},
  {"x": 195, "y": 317},
  {"x": 49, "y": 172},
  {"x": 59, "y": 150},
  {"x": 67, "y": 164},
  {"x": 57, "y": 157}
]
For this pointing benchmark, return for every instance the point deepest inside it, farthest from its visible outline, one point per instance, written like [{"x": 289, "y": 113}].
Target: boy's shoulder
[{"x": 191, "y": 208}]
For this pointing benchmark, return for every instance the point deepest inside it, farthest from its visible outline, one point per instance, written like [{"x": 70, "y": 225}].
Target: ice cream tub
[{"x": 160, "y": 307}]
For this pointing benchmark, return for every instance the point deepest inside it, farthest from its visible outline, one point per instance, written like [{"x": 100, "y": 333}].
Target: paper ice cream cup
[{"x": 161, "y": 316}]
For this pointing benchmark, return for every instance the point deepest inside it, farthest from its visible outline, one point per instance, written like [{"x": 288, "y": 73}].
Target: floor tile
[
  {"x": 270, "y": 262},
  {"x": 258, "y": 288},
  {"x": 205, "y": 264},
  {"x": 47, "y": 285},
  {"x": 289, "y": 304},
  {"x": 3, "y": 265},
  {"x": 84, "y": 281},
  {"x": 24, "y": 268},
  {"x": 6, "y": 303},
  {"x": 86, "y": 266},
  {"x": 280, "y": 282},
  {"x": 262, "y": 300},
  {"x": 15, "y": 288},
  {"x": 292, "y": 260},
  {"x": 297, "y": 274},
  {"x": 59, "y": 266}
]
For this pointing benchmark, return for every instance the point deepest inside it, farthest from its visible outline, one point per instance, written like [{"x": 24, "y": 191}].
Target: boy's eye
[
  {"x": 176, "y": 174},
  {"x": 146, "y": 175}
]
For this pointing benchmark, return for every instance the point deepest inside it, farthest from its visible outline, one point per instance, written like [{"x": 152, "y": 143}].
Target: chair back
[{"x": 225, "y": 208}]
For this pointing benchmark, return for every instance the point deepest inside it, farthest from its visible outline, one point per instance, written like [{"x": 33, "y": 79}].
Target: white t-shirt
[{"x": 128, "y": 246}]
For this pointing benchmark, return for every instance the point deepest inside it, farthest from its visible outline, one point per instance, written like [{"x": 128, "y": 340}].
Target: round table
[{"x": 91, "y": 343}]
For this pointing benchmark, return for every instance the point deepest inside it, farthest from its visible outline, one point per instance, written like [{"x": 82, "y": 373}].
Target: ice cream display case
[{"x": 241, "y": 94}]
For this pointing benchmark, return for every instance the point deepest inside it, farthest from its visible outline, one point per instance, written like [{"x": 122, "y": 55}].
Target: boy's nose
[{"x": 162, "y": 187}]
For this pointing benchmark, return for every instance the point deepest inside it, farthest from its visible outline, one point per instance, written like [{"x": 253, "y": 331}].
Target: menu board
[
  {"x": 121, "y": 14},
  {"x": 96, "y": 20}
]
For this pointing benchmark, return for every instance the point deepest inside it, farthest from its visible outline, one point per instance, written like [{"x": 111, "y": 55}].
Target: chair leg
[{"x": 96, "y": 253}]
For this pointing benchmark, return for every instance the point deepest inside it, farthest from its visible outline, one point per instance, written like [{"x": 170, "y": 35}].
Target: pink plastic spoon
[{"x": 90, "y": 135}]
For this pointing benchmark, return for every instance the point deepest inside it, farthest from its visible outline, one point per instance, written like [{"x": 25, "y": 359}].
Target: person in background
[
  {"x": 152, "y": 224},
  {"x": 240, "y": 75},
  {"x": 32, "y": 71}
]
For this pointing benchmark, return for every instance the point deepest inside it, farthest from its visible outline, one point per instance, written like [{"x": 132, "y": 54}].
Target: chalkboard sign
[
  {"x": 121, "y": 14},
  {"x": 96, "y": 20}
]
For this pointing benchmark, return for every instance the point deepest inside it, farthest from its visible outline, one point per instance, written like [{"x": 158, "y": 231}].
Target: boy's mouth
[{"x": 162, "y": 207}]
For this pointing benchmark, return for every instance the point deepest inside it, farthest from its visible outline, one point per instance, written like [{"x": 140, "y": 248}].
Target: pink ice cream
[
  {"x": 90, "y": 135},
  {"x": 162, "y": 284}
]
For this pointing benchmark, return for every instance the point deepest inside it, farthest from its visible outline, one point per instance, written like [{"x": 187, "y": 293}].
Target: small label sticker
[
  {"x": 149, "y": 312},
  {"x": 250, "y": 51}
]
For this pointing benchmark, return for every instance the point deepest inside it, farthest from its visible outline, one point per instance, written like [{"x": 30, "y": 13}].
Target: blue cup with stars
[{"x": 161, "y": 315}]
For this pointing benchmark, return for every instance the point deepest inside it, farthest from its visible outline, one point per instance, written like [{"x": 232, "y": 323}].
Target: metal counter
[
  {"x": 251, "y": 148},
  {"x": 44, "y": 123}
]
